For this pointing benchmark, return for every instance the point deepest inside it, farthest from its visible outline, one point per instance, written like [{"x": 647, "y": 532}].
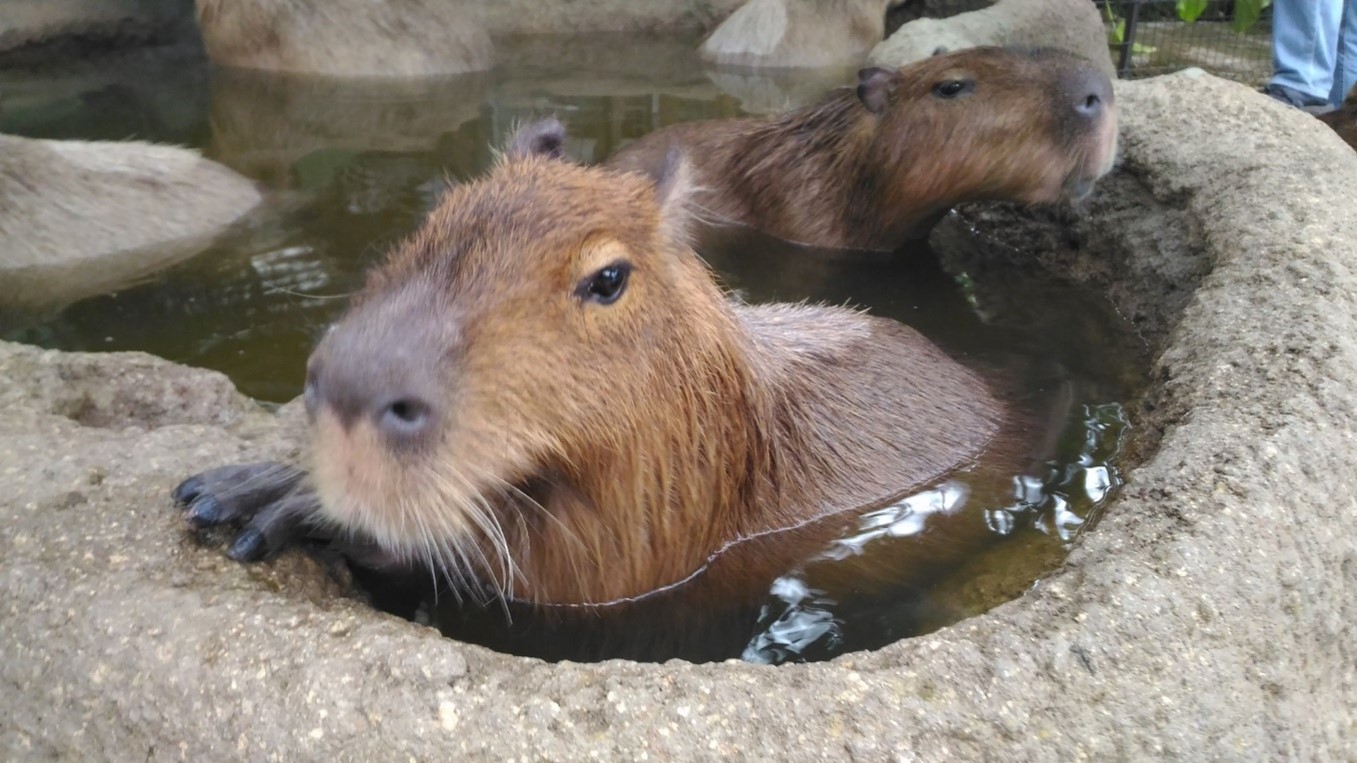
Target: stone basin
[{"x": 1208, "y": 615}]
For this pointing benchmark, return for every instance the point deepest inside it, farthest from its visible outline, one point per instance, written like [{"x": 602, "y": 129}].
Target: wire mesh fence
[{"x": 1148, "y": 38}]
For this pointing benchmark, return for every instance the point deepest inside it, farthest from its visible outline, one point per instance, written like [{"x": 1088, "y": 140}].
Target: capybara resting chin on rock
[
  {"x": 872, "y": 167},
  {"x": 543, "y": 393},
  {"x": 1343, "y": 120},
  {"x": 345, "y": 38}
]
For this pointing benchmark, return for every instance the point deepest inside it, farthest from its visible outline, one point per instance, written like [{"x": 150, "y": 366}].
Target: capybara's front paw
[{"x": 265, "y": 500}]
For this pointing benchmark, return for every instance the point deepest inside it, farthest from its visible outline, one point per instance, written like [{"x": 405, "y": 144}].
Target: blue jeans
[{"x": 1314, "y": 47}]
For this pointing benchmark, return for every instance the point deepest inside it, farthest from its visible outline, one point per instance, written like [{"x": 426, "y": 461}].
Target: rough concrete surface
[
  {"x": 1208, "y": 616},
  {"x": 1073, "y": 25}
]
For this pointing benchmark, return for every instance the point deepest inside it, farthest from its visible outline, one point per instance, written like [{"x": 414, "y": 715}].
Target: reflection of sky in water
[
  {"x": 899, "y": 520},
  {"x": 290, "y": 269},
  {"x": 798, "y": 618},
  {"x": 808, "y": 617}
]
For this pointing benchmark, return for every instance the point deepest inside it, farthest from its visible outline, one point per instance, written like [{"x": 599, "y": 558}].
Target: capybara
[
  {"x": 798, "y": 33},
  {"x": 345, "y": 38},
  {"x": 544, "y": 396},
  {"x": 874, "y": 166},
  {"x": 79, "y": 218},
  {"x": 1343, "y": 120}
]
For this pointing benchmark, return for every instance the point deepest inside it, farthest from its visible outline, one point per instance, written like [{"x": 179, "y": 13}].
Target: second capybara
[
  {"x": 544, "y": 395},
  {"x": 874, "y": 166},
  {"x": 1343, "y": 120}
]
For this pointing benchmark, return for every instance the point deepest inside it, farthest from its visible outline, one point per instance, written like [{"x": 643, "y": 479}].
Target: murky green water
[{"x": 354, "y": 167}]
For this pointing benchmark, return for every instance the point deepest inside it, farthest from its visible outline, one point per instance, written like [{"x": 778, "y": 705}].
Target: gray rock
[
  {"x": 26, "y": 23},
  {"x": 1073, "y": 25},
  {"x": 345, "y": 38},
  {"x": 1209, "y": 615},
  {"x": 509, "y": 18},
  {"x": 797, "y": 33},
  {"x": 79, "y": 218}
]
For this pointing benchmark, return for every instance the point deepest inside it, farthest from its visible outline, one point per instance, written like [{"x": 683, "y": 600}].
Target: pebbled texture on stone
[{"x": 1208, "y": 616}]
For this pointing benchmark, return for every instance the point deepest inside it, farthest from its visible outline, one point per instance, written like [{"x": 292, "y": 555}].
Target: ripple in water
[{"x": 800, "y": 621}]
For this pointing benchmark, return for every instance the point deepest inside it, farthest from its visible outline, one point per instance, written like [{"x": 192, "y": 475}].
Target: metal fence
[{"x": 1148, "y": 38}]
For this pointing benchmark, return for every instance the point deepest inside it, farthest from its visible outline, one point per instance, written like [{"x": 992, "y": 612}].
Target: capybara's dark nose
[
  {"x": 386, "y": 389},
  {"x": 1091, "y": 91},
  {"x": 1090, "y": 105},
  {"x": 378, "y": 371}
]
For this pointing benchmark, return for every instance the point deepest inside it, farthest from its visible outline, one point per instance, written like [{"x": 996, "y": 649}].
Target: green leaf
[
  {"x": 1191, "y": 10},
  {"x": 1118, "y": 31},
  {"x": 1246, "y": 13}
]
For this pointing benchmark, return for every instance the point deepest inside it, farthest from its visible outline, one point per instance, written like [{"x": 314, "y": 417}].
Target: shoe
[{"x": 1297, "y": 99}]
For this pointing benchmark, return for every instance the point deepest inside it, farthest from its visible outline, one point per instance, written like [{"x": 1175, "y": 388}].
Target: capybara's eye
[
  {"x": 953, "y": 87},
  {"x": 605, "y": 286}
]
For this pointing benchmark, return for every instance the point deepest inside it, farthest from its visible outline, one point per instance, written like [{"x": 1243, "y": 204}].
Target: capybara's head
[
  {"x": 542, "y": 324},
  {"x": 1035, "y": 125}
]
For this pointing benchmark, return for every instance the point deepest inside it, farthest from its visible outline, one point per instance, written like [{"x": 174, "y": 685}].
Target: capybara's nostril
[
  {"x": 1092, "y": 93},
  {"x": 404, "y": 419},
  {"x": 1090, "y": 106}
]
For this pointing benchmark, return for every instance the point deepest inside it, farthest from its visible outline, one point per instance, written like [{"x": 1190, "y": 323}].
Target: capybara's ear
[
  {"x": 941, "y": 50},
  {"x": 674, "y": 190},
  {"x": 542, "y": 138},
  {"x": 874, "y": 88}
]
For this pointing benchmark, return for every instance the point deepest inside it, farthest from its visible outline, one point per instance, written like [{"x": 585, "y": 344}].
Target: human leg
[
  {"x": 1305, "y": 45},
  {"x": 1345, "y": 69}
]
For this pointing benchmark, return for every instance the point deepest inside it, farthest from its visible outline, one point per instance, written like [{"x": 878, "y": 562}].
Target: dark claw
[
  {"x": 187, "y": 490},
  {"x": 249, "y": 546},
  {"x": 234, "y": 493},
  {"x": 204, "y": 511},
  {"x": 265, "y": 500}
]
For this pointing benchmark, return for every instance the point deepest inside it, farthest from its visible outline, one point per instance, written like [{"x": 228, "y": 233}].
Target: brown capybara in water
[
  {"x": 872, "y": 167},
  {"x": 544, "y": 393},
  {"x": 345, "y": 38},
  {"x": 1343, "y": 120}
]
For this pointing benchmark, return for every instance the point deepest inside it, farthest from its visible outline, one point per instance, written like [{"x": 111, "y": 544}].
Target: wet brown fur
[
  {"x": 838, "y": 175},
  {"x": 616, "y": 447}
]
